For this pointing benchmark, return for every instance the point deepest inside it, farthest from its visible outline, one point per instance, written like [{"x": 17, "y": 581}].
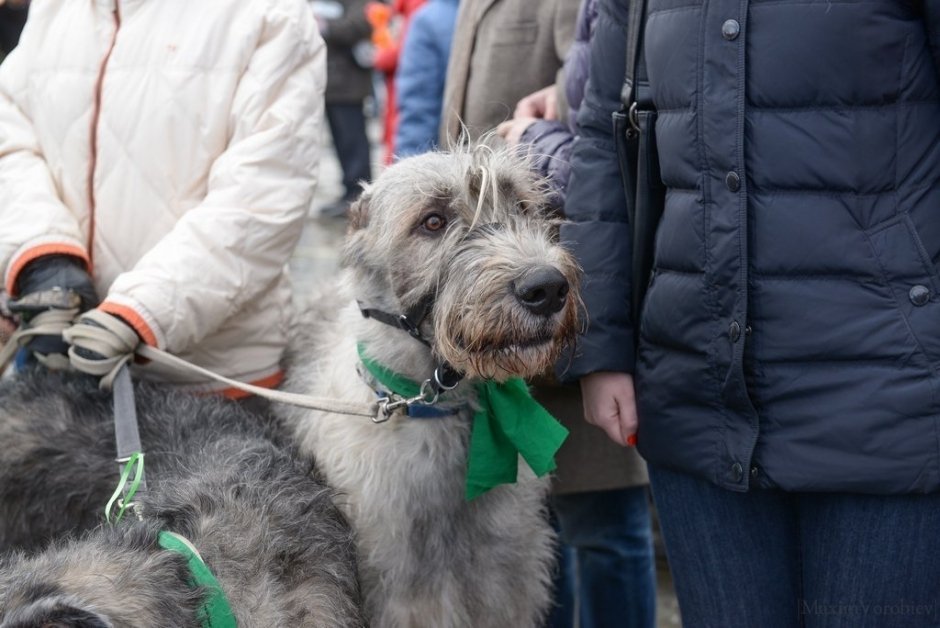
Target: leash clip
[
  {"x": 386, "y": 408},
  {"x": 393, "y": 404}
]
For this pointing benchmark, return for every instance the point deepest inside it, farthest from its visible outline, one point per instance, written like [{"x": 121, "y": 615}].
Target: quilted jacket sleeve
[
  {"x": 549, "y": 143},
  {"x": 33, "y": 220},
  {"x": 235, "y": 245},
  {"x": 598, "y": 231}
]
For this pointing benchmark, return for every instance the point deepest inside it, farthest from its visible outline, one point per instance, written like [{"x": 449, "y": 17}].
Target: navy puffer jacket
[{"x": 791, "y": 333}]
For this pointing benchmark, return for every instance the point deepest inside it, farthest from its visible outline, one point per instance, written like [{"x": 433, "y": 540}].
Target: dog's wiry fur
[
  {"x": 427, "y": 556},
  {"x": 263, "y": 523},
  {"x": 269, "y": 531}
]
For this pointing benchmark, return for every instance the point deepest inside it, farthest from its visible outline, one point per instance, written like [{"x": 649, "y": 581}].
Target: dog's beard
[{"x": 528, "y": 349}]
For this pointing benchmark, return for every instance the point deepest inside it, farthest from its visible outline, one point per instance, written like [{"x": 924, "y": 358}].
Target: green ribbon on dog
[
  {"x": 136, "y": 463},
  {"x": 509, "y": 423},
  {"x": 215, "y": 611}
]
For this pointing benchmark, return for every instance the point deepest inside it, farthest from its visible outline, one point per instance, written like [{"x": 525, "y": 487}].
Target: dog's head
[
  {"x": 113, "y": 578},
  {"x": 469, "y": 233},
  {"x": 55, "y": 611}
]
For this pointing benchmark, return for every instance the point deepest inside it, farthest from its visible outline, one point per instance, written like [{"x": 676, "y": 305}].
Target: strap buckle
[
  {"x": 632, "y": 117},
  {"x": 407, "y": 325}
]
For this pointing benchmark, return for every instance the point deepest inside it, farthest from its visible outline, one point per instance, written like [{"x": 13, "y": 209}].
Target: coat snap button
[
  {"x": 737, "y": 471},
  {"x": 754, "y": 472},
  {"x": 730, "y": 29},
  {"x": 734, "y": 331},
  {"x": 919, "y": 295},
  {"x": 733, "y": 181}
]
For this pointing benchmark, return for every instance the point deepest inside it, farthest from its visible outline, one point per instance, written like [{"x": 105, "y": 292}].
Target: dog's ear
[
  {"x": 357, "y": 237},
  {"x": 57, "y": 613},
  {"x": 359, "y": 211}
]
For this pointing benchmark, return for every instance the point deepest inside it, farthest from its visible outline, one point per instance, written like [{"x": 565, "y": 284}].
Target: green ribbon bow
[
  {"x": 215, "y": 611},
  {"x": 508, "y": 424}
]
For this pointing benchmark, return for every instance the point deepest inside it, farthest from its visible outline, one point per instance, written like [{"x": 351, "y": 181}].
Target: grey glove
[{"x": 52, "y": 282}]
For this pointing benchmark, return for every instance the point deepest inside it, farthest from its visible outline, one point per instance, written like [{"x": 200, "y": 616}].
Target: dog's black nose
[{"x": 542, "y": 290}]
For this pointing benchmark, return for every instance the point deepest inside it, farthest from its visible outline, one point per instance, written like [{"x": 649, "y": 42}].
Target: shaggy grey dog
[
  {"x": 463, "y": 239},
  {"x": 462, "y": 245},
  {"x": 265, "y": 525}
]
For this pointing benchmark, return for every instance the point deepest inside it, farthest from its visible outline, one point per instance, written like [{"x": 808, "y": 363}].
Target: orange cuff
[
  {"x": 41, "y": 250},
  {"x": 133, "y": 319},
  {"x": 271, "y": 381}
]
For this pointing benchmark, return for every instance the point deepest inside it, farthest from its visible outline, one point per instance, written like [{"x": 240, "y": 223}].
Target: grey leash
[
  {"x": 127, "y": 436},
  {"x": 114, "y": 344},
  {"x": 126, "y": 432}
]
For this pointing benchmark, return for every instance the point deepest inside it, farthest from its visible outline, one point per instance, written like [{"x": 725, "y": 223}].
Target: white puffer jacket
[{"x": 173, "y": 145}]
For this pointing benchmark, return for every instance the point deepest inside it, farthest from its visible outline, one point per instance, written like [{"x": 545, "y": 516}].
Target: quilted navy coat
[{"x": 791, "y": 333}]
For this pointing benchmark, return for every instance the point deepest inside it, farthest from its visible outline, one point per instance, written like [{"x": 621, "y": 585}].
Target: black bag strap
[
  {"x": 626, "y": 129},
  {"x": 635, "y": 125},
  {"x": 635, "y": 88}
]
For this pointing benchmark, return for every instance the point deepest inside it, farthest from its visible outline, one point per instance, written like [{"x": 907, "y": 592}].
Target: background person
[
  {"x": 422, "y": 73},
  {"x": 390, "y": 24},
  {"x": 345, "y": 29},
  {"x": 171, "y": 160},
  {"x": 502, "y": 50},
  {"x": 12, "y": 19}
]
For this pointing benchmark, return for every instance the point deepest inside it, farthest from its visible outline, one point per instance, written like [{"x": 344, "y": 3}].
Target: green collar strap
[
  {"x": 215, "y": 611},
  {"x": 508, "y": 424}
]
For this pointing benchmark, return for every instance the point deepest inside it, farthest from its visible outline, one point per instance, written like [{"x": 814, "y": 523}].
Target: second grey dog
[
  {"x": 462, "y": 245},
  {"x": 266, "y": 527}
]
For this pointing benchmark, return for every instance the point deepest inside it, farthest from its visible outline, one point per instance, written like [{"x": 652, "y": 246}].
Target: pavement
[{"x": 317, "y": 258}]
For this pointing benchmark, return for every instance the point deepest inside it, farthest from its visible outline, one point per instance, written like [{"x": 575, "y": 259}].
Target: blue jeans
[
  {"x": 611, "y": 574},
  {"x": 771, "y": 559}
]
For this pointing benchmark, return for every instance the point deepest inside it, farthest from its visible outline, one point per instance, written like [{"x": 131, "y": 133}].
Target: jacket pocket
[{"x": 910, "y": 275}]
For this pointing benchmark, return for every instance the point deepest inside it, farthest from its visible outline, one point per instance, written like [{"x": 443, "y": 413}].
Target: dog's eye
[{"x": 434, "y": 222}]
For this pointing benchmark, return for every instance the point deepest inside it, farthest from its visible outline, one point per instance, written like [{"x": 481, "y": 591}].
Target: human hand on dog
[
  {"x": 610, "y": 404},
  {"x": 99, "y": 342},
  {"x": 540, "y": 104}
]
